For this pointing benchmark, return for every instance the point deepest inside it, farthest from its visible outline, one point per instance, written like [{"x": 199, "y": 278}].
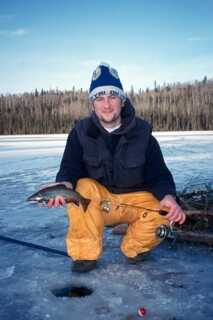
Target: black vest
[{"x": 122, "y": 171}]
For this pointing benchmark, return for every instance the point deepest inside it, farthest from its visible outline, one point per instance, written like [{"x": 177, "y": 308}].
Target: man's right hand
[{"x": 56, "y": 202}]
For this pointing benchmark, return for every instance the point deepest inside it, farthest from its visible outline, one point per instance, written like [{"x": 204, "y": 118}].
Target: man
[{"x": 112, "y": 158}]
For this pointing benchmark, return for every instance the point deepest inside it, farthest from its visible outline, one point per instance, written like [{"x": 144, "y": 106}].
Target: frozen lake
[{"x": 175, "y": 283}]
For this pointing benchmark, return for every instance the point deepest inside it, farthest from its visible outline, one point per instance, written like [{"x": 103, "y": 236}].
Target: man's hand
[
  {"x": 175, "y": 212},
  {"x": 56, "y": 202}
]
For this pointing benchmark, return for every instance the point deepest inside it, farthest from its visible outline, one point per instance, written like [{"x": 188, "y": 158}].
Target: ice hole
[{"x": 72, "y": 292}]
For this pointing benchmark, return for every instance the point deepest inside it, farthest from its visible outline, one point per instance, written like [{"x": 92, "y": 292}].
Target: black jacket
[{"x": 127, "y": 160}]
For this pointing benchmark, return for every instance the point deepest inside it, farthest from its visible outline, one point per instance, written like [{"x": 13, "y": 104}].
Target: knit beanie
[{"x": 105, "y": 81}]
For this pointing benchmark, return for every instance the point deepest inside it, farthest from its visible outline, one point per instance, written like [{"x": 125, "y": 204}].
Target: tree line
[{"x": 167, "y": 108}]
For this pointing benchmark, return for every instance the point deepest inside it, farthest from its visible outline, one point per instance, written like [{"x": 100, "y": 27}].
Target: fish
[{"x": 43, "y": 195}]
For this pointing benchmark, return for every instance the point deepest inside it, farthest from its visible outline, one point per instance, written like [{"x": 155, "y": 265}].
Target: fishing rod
[
  {"x": 106, "y": 205},
  {"x": 33, "y": 246},
  {"x": 161, "y": 212}
]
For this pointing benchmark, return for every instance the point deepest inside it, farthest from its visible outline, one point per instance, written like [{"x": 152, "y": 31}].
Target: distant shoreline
[
  {"x": 171, "y": 108},
  {"x": 155, "y": 133}
]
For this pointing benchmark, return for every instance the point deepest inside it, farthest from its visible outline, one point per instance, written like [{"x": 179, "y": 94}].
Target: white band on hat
[{"x": 106, "y": 90}]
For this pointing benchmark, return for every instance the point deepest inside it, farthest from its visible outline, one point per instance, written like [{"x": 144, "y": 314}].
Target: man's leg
[
  {"x": 85, "y": 230},
  {"x": 141, "y": 233}
]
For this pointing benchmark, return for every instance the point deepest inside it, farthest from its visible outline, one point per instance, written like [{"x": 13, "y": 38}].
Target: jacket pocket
[
  {"x": 129, "y": 172},
  {"x": 94, "y": 167}
]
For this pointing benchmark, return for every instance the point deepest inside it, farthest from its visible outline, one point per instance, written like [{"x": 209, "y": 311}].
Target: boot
[
  {"x": 139, "y": 258},
  {"x": 83, "y": 265}
]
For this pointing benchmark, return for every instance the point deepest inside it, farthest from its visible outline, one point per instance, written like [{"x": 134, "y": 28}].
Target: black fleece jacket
[{"x": 157, "y": 177}]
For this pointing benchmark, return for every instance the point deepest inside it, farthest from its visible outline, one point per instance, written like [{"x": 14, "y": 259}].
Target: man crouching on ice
[{"x": 111, "y": 157}]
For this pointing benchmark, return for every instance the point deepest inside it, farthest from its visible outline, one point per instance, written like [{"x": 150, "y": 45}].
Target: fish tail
[{"x": 85, "y": 202}]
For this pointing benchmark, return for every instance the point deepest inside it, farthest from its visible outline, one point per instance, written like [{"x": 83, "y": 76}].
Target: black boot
[
  {"x": 83, "y": 265},
  {"x": 139, "y": 258}
]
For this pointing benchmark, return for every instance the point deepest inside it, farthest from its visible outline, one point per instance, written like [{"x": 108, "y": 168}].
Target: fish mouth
[
  {"x": 35, "y": 199},
  {"x": 32, "y": 201}
]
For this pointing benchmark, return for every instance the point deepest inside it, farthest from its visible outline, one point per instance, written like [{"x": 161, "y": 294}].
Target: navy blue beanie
[{"x": 105, "y": 81}]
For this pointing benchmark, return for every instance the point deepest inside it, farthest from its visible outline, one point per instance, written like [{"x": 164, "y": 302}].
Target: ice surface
[
  {"x": 175, "y": 283},
  {"x": 7, "y": 273}
]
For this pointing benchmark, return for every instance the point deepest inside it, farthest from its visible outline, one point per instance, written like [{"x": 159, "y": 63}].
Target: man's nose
[{"x": 106, "y": 102}]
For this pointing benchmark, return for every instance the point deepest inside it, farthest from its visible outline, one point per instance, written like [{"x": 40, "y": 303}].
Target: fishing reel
[
  {"x": 106, "y": 205},
  {"x": 164, "y": 231}
]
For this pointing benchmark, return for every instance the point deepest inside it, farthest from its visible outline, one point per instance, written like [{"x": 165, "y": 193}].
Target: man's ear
[{"x": 91, "y": 106}]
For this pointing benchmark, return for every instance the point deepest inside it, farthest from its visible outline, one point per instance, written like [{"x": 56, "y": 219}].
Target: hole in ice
[{"x": 72, "y": 292}]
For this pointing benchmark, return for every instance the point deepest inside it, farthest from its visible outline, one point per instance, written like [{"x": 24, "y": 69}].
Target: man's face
[{"x": 108, "y": 108}]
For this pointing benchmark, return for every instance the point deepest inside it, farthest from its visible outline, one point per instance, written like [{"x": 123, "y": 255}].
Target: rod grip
[{"x": 163, "y": 212}]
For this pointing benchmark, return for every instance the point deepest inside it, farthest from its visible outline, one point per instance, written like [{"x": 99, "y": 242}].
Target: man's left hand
[{"x": 175, "y": 213}]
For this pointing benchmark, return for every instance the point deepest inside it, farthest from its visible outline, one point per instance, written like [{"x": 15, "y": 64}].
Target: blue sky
[{"x": 58, "y": 44}]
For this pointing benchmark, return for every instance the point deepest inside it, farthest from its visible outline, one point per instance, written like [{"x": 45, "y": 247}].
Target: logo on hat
[
  {"x": 96, "y": 73},
  {"x": 114, "y": 73}
]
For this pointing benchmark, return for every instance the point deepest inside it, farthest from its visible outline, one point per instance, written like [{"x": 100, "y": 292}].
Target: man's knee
[
  {"x": 87, "y": 186},
  {"x": 85, "y": 182}
]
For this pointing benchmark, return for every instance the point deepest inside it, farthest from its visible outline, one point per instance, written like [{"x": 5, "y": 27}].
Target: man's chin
[{"x": 107, "y": 120}]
